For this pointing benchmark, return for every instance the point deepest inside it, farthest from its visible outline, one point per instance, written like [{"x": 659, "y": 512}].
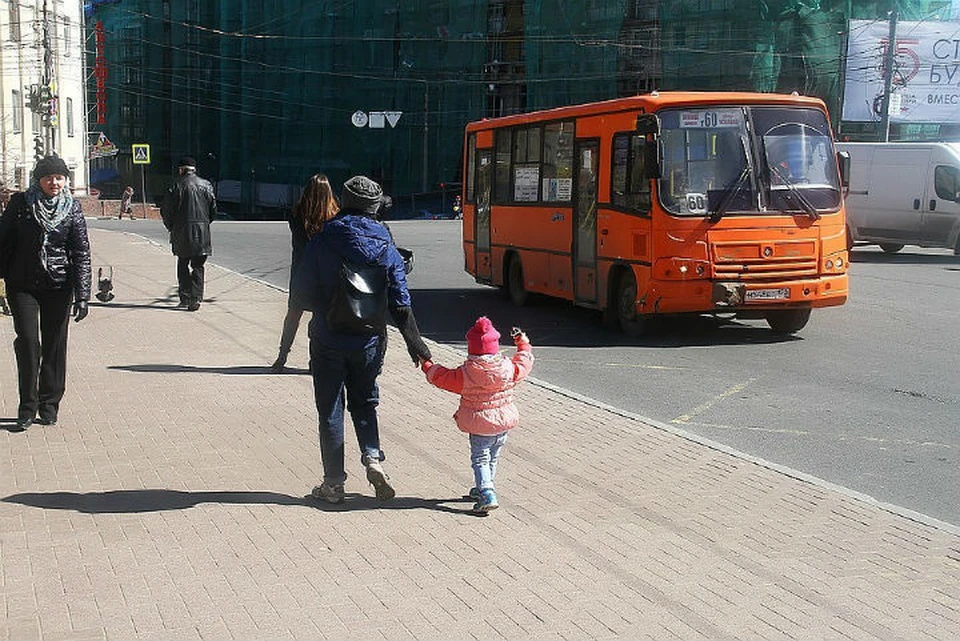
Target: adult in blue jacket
[{"x": 352, "y": 362}]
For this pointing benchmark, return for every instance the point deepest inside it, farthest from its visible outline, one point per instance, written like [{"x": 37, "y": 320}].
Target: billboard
[{"x": 926, "y": 72}]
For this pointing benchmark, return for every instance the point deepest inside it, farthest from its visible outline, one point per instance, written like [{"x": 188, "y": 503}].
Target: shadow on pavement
[
  {"x": 155, "y": 500},
  {"x": 356, "y": 502},
  {"x": 241, "y": 370},
  {"x": 158, "y": 304},
  {"x": 116, "y": 501}
]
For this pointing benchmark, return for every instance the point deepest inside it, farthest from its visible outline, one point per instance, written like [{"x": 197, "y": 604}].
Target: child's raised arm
[{"x": 523, "y": 359}]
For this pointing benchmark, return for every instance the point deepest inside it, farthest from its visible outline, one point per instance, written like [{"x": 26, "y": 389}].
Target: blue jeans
[
  {"x": 484, "y": 454},
  {"x": 354, "y": 372}
]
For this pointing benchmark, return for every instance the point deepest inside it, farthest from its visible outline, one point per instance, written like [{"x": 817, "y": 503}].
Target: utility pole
[
  {"x": 889, "y": 59},
  {"x": 42, "y": 98}
]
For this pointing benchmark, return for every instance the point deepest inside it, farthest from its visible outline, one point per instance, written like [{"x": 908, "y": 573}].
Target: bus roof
[{"x": 650, "y": 102}]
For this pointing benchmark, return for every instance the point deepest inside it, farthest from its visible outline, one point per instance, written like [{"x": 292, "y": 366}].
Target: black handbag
[{"x": 359, "y": 302}]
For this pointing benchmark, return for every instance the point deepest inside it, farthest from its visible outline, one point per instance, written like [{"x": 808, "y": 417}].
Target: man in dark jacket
[
  {"x": 187, "y": 211},
  {"x": 351, "y": 361}
]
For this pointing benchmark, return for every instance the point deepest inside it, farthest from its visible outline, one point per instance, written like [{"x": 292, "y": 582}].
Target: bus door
[
  {"x": 587, "y": 155},
  {"x": 482, "y": 215}
]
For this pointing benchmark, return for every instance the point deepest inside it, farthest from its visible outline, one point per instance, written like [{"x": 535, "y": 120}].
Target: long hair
[{"x": 317, "y": 204}]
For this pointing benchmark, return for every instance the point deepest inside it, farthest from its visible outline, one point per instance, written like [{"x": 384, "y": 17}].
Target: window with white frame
[
  {"x": 67, "y": 35},
  {"x": 14, "y": 20},
  {"x": 69, "y": 114},
  {"x": 17, "y": 105}
]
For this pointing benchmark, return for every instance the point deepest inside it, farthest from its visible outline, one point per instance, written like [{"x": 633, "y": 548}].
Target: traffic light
[{"x": 38, "y": 149}]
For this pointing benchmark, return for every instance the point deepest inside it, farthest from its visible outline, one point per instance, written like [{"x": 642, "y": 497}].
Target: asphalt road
[{"x": 867, "y": 396}]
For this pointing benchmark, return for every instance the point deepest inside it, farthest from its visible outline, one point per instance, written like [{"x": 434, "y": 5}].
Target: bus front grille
[{"x": 765, "y": 269}]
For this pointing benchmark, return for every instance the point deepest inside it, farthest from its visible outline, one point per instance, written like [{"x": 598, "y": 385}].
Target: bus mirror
[
  {"x": 651, "y": 161},
  {"x": 648, "y": 124},
  {"x": 843, "y": 164}
]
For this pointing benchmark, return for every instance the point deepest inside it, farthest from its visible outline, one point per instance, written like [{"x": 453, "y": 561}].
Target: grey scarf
[{"x": 49, "y": 212}]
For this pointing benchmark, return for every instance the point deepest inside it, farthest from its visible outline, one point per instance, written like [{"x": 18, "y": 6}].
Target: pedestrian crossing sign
[{"x": 141, "y": 154}]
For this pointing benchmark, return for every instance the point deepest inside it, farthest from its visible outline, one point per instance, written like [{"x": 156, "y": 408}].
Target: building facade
[
  {"x": 42, "y": 89},
  {"x": 265, "y": 93}
]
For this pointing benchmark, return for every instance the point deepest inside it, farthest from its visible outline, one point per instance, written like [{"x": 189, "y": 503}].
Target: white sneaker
[{"x": 379, "y": 480}]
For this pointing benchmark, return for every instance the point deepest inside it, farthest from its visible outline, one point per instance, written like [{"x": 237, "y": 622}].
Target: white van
[{"x": 903, "y": 193}]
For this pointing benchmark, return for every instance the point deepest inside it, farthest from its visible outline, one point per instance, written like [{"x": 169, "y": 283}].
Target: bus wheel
[
  {"x": 788, "y": 321},
  {"x": 631, "y": 323},
  {"x": 518, "y": 293},
  {"x": 890, "y": 248}
]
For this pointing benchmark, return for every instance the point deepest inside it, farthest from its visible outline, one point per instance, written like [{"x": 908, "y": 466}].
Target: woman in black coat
[
  {"x": 317, "y": 205},
  {"x": 45, "y": 261}
]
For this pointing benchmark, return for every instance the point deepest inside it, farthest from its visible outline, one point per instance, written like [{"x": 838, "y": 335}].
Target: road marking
[
  {"x": 837, "y": 437},
  {"x": 542, "y": 360},
  {"x": 700, "y": 409}
]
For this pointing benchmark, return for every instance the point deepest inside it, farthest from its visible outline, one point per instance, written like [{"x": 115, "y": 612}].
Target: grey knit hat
[{"x": 361, "y": 193}]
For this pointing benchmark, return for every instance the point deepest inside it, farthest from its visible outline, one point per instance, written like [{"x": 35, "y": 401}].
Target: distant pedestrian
[
  {"x": 485, "y": 383},
  {"x": 126, "y": 203},
  {"x": 316, "y": 206},
  {"x": 187, "y": 211},
  {"x": 348, "y": 333},
  {"x": 45, "y": 261}
]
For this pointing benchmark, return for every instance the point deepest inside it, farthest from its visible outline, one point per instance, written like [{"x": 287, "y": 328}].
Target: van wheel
[
  {"x": 515, "y": 288},
  {"x": 890, "y": 248},
  {"x": 631, "y": 323},
  {"x": 788, "y": 321},
  {"x": 849, "y": 240}
]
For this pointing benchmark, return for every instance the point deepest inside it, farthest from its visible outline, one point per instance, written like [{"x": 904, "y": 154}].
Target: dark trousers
[
  {"x": 355, "y": 371},
  {"x": 40, "y": 319},
  {"x": 190, "y": 277}
]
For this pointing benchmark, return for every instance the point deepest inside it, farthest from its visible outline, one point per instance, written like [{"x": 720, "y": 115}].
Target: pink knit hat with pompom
[{"x": 483, "y": 337}]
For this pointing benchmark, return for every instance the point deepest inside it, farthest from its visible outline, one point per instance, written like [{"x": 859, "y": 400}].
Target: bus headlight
[{"x": 834, "y": 264}]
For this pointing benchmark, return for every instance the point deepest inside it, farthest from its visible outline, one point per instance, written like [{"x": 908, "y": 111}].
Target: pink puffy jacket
[{"x": 485, "y": 384}]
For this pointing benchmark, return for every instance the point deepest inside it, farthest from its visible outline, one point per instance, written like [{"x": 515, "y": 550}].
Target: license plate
[{"x": 767, "y": 294}]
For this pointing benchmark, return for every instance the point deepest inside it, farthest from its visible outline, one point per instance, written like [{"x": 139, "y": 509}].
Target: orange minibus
[{"x": 665, "y": 203}]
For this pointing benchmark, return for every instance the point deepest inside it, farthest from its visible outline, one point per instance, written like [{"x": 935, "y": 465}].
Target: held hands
[
  {"x": 80, "y": 310},
  {"x": 418, "y": 351},
  {"x": 426, "y": 364}
]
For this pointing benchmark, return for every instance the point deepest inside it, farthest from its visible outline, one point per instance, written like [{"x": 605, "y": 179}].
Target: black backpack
[{"x": 359, "y": 302}]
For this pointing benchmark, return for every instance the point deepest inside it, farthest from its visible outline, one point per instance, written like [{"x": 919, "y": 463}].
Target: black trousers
[
  {"x": 40, "y": 319},
  {"x": 190, "y": 277}
]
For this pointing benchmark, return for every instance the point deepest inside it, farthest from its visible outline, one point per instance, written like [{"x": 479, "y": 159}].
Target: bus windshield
[{"x": 748, "y": 160}]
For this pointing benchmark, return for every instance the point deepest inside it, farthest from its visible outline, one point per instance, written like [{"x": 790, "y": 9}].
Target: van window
[{"x": 946, "y": 180}]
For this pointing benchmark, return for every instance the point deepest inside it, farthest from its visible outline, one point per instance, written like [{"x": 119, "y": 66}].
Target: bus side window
[
  {"x": 629, "y": 187},
  {"x": 501, "y": 174},
  {"x": 471, "y": 165}
]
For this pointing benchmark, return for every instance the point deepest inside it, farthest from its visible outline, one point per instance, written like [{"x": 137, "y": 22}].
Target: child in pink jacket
[{"x": 487, "y": 412}]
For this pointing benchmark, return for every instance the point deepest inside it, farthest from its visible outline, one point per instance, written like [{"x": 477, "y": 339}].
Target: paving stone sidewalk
[{"x": 169, "y": 504}]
